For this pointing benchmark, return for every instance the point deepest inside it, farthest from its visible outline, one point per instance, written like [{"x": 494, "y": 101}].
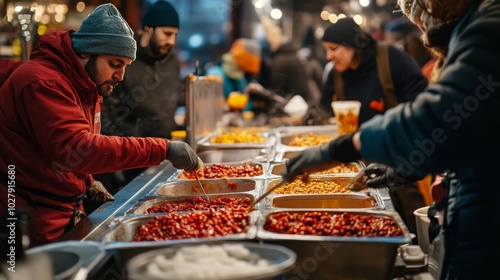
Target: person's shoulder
[{"x": 32, "y": 70}]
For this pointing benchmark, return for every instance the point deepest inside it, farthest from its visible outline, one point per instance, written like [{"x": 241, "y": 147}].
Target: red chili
[{"x": 326, "y": 224}]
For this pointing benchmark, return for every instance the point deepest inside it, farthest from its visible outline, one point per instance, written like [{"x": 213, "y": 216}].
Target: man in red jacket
[{"x": 50, "y": 122}]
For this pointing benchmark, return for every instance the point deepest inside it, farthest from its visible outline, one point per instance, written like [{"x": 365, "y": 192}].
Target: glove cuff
[{"x": 342, "y": 149}]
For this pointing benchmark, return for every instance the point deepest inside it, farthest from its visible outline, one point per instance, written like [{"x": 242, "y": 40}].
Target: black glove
[
  {"x": 315, "y": 115},
  {"x": 321, "y": 158},
  {"x": 380, "y": 175},
  {"x": 182, "y": 156}
]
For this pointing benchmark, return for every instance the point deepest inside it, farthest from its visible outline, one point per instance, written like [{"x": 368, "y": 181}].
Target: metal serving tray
[
  {"x": 365, "y": 200},
  {"x": 270, "y": 141},
  {"x": 340, "y": 180},
  {"x": 278, "y": 168},
  {"x": 264, "y": 167},
  {"x": 339, "y": 257},
  {"x": 286, "y": 135},
  {"x": 123, "y": 230},
  {"x": 142, "y": 205},
  {"x": 305, "y": 129},
  {"x": 211, "y": 186},
  {"x": 226, "y": 156}
]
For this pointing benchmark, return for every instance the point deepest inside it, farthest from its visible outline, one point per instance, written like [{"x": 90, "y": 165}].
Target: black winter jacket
[
  {"x": 363, "y": 84},
  {"x": 454, "y": 126},
  {"x": 288, "y": 75},
  {"x": 144, "y": 103}
]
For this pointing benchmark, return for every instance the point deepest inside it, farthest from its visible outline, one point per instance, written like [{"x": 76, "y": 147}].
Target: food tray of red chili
[
  {"x": 226, "y": 170},
  {"x": 195, "y": 226},
  {"x": 176, "y": 204},
  {"x": 354, "y": 244},
  {"x": 215, "y": 186},
  {"x": 332, "y": 224},
  {"x": 361, "y": 200}
]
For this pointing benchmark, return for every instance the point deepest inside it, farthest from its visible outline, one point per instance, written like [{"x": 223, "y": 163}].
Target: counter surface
[{"x": 98, "y": 221}]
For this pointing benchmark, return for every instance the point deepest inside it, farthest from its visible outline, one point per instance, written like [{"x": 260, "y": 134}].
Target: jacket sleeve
[
  {"x": 64, "y": 133},
  {"x": 455, "y": 120}
]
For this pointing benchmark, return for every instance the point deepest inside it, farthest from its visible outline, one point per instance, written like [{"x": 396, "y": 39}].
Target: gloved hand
[
  {"x": 315, "y": 115},
  {"x": 321, "y": 158},
  {"x": 182, "y": 156},
  {"x": 380, "y": 175},
  {"x": 97, "y": 192}
]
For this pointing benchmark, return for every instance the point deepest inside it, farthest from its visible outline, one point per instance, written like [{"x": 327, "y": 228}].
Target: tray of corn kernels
[
  {"x": 350, "y": 169},
  {"x": 239, "y": 139},
  {"x": 311, "y": 186},
  {"x": 301, "y": 137},
  {"x": 301, "y": 141}
]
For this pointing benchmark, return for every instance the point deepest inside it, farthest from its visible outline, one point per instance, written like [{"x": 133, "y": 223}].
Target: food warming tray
[
  {"x": 211, "y": 186},
  {"x": 365, "y": 200},
  {"x": 270, "y": 141},
  {"x": 339, "y": 257},
  {"x": 122, "y": 231},
  {"x": 263, "y": 167},
  {"x": 278, "y": 168},
  {"x": 142, "y": 205}
]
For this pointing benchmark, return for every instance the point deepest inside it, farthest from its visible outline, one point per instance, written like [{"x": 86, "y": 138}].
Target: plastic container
[
  {"x": 346, "y": 115},
  {"x": 423, "y": 221}
]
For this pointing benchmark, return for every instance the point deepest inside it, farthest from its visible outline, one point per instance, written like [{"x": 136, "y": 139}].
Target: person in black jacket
[
  {"x": 450, "y": 127},
  {"x": 144, "y": 104},
  {"x": 353, "y": 53}
]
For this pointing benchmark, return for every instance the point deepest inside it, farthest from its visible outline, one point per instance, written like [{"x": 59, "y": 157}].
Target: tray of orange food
[{"x": 239, "y": 139}]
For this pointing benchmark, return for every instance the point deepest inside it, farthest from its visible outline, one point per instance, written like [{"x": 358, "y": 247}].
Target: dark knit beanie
[
  {"x": 348, "y": 33},
  {"x": 105, "y": 31},
  {"x": 160, "y": 13}
]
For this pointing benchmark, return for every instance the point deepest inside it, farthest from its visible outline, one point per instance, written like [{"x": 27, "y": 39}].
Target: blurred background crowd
[{"x": 208, "y": 27}]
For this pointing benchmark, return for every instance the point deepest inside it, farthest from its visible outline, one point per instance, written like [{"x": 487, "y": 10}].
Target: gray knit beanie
[{"x": 105, "y": 31}]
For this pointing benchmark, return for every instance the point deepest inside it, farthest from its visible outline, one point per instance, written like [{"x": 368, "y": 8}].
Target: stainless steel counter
[{"x": 98, "y": 221}]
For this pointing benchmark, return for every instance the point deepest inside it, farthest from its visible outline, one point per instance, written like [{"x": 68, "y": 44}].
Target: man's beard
[
  {"x": 156, "y": 49},
  {"x": 91, "y": 69}
]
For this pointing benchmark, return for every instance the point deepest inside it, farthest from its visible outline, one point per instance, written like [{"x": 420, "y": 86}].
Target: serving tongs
[
  {"x": 200, "y": 162},
  {"x": 268, "y": 192},
  {"x": 358, "y": 182}
]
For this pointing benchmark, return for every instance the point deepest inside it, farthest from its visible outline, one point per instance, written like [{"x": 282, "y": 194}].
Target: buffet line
[{"x": 327, "y": 229}]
